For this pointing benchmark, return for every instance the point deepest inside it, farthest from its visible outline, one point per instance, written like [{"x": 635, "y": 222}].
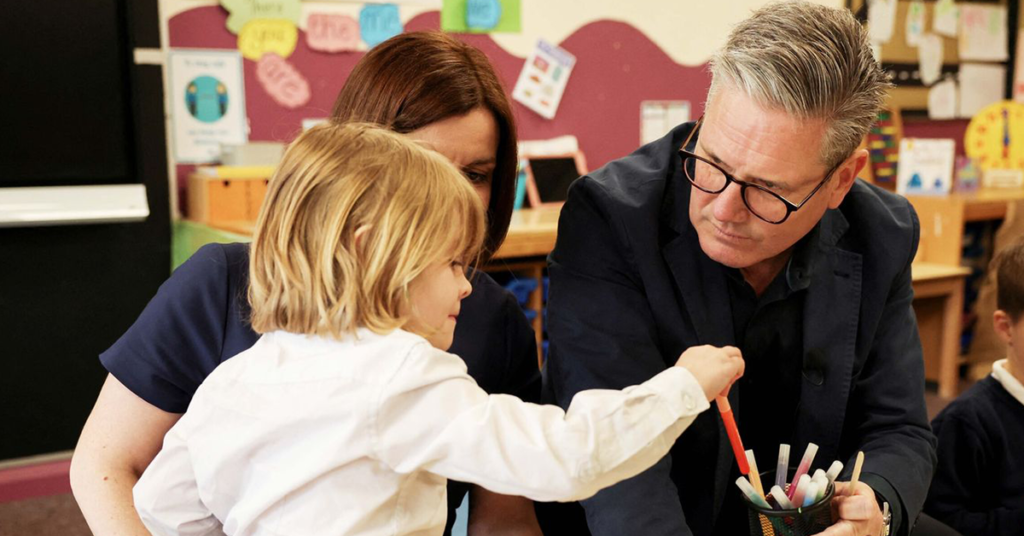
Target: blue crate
[{"x": 521, "y": 289}]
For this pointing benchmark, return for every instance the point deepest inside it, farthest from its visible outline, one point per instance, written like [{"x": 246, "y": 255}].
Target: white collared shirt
[
  {"x": 1008, "y": 380},
  {"x": 303, "y": 435}
]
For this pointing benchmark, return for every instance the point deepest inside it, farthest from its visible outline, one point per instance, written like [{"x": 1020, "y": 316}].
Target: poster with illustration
[
  {"x": 543, "y": 78},
  {"x": 926, "y": 166},
  {"x": 207, "y": 103}
]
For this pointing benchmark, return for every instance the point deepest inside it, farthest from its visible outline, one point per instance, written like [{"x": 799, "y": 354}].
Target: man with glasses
[{"x": 749, "y": 228}]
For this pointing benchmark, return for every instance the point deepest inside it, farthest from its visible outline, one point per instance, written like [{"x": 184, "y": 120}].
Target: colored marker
[
  {"x": 752, "y": 495},
  {"x": 811, "y": 496},
  {"x": 801, "y": 490},
  {"x": 821, "y": 481},
  {"x": 755, "y": 477},
  {"x": 856, "y": 471},
  {"x": 805, "y": 465},
  {"x": 782, "y": 469},
  {"x": 833, "y": 471},
  {"x": 734, "y": 434},
  {"x": 780, "y": 497}
]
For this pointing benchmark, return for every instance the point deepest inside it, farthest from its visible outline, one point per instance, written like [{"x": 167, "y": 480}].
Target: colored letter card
[
  {"x": 207, "y": 103},
  {"x": 543, "y": 78}
]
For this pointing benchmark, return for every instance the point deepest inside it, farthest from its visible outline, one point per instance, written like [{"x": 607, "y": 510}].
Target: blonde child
[
  {"x": 348, "y": 416},
  {"x": 978, "y": 488}
]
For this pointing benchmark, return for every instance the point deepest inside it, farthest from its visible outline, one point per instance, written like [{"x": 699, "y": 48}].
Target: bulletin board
[{"x": 901, "y": 60}]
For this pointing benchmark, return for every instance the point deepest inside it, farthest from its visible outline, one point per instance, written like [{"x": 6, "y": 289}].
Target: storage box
[{"x": 224, "y": 195}]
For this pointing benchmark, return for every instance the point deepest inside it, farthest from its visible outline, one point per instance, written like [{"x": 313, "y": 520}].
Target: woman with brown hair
[{"x": 429, "y": 86}]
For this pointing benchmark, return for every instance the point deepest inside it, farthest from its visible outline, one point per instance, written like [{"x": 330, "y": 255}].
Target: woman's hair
[
  {"x": 418, "y": 78},
  {"x": 354, "y": 213}
]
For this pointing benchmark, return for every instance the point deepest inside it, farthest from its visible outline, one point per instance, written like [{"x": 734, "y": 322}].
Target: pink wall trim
[{"x": 37, "y": 480}]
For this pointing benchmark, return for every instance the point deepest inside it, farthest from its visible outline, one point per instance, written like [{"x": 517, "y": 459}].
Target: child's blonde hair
[{"x": 352, "y": 215}]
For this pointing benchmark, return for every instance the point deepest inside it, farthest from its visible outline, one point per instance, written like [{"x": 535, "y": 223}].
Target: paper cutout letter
[
  {"x": 242, "y": 11},
  {"x": 329, "y": 32},
  {"x": 282, "y": 81},
  {"x": 379, "y": 22},
  {"x": 263, "y": 36}
]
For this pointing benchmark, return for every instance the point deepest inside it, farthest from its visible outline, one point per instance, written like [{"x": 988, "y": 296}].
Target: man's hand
[{"x": 856, "y": 510}]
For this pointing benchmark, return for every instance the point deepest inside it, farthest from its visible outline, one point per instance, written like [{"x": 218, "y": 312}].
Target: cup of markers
[{"x": 789, "y": 501}]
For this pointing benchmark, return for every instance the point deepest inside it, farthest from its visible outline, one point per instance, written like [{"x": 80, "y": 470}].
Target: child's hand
[{"x": 715, "y": 368}]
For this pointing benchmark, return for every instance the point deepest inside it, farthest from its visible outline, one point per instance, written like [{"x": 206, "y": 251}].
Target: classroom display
[{"x": 995, "y": 137}]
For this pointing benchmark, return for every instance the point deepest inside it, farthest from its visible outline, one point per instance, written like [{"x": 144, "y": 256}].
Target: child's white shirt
[
  {"x": 1007, "y": 380},
  {"x": 305, "y": 435}
]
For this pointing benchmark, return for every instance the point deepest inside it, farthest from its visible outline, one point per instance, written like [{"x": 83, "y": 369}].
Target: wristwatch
[{"x": 886, "y": 519}]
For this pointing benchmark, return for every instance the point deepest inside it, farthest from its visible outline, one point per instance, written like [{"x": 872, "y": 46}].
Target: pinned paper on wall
[
  {"x": 262, "y": 36},
  {"x": 881, "y": 20},
  {"x": 983, "y": 33},
  {"x": 947, "y": 18},
  {"x": 926, "y": 166},
  {"x": 1018, "y": 72},
  {"x": 332, "y": 32},
  {"x": 282, "y": 81},
  {"x": 378, "y": 23},
  {"x": 658, "y": 117},
  {"x": 207, "y": 103},
  {"x": 242, "y": 11},
  {"x": 942, "y": 102},
  {"x": 980, "y": 86},
  {"x": 543, "y": 79},
  {"x": 480, "y": 16},
  {"x": 915, "y": 23},
  {"x": 929, "y": 55}
]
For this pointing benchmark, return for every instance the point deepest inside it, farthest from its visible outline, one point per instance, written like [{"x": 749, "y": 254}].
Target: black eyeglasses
[{"x": 760, "y": 201}]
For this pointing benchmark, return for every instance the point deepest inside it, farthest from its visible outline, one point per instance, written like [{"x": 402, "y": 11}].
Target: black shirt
[{"x": 769, "y": 331}]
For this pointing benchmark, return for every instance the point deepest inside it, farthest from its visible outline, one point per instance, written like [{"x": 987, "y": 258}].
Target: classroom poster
[
  {"x": 543, "y": 78},
  {"x": 926, "y": 166},
  {"x": 983, "y": 33},
  {"x": 207, "y": 103}
]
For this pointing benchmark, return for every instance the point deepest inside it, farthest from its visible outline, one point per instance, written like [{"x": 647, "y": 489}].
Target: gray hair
[{"x": 811, "y": 61}]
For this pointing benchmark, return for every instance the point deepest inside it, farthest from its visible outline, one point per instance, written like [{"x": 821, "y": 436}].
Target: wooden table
[
  {"x": 938, "y": 305},
  {"x": 989, "y": 204}
]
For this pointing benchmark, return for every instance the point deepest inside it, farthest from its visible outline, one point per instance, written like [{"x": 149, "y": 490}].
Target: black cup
[{"x": 804, "y": 521}]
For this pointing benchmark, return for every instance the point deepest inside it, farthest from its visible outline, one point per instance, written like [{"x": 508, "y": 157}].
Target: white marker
[
  {"x": 752, "y": 495},
  {"x": 780, "y": 498},
  {"x": 833, "y": 471}
]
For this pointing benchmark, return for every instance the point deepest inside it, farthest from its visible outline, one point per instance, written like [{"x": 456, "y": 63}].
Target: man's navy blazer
[{"x": 631, "y": 289}]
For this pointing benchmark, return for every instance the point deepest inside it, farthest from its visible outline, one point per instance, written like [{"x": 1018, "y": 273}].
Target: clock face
[{"x": 995, "y": 136}]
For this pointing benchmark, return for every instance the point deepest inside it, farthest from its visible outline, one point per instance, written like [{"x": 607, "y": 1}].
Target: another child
[
  {"x": 347, "y": 416},
  {"x": 978, "y": 487}
]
